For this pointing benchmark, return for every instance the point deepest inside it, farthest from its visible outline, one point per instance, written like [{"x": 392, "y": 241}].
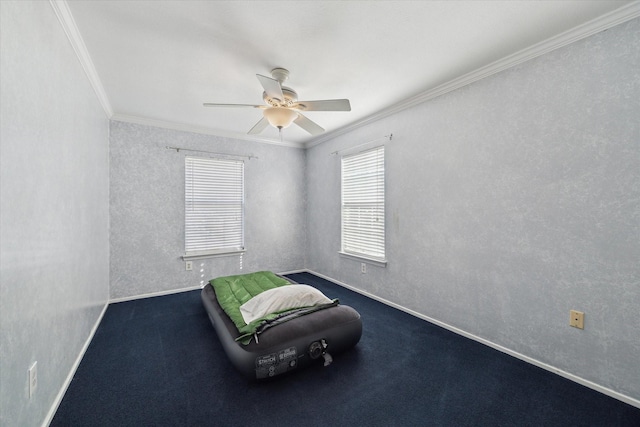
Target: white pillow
[{"x": 281, "y": 298}]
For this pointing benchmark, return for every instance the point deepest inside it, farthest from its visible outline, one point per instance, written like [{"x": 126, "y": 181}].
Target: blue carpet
[{"x": 158, "y": 362}]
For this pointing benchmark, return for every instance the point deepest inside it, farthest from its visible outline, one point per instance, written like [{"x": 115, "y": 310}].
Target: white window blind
[
  {"x": 363, "y": 204},
  {"x": 214, "y": 206}
]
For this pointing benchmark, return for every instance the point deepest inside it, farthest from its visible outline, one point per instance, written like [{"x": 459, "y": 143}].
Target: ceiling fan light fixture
[
  {"x": 280, "y": 117},
  {"x": 282, "y": 107}
]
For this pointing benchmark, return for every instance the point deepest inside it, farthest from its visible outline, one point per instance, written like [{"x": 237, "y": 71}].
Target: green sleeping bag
[{"x": 233, "y": 291}]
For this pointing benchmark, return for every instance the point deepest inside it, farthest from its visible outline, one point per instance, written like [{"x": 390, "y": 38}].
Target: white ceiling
[{"x": 157, "y": 62}]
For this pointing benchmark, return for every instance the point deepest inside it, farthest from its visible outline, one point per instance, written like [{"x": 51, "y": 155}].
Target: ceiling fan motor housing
[{"x": 290, "y": 98}]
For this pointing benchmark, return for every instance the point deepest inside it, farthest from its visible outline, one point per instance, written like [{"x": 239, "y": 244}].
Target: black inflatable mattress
[{"x": 290, "y": 345}]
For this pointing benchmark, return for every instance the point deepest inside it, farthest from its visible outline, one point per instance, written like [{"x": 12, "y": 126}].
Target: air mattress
[{"x": 288, "y": 346}]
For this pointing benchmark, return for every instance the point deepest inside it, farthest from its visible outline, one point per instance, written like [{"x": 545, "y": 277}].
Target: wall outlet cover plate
[{"x": 576, "y": 319}]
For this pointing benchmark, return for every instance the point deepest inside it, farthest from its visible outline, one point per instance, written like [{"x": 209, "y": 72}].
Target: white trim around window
[
  {"x": 362, "y": 207},
  {"x": 214, "y": 207}
]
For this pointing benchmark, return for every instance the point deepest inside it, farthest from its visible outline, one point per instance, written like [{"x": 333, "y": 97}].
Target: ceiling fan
[{"x": 283, "y": 108}]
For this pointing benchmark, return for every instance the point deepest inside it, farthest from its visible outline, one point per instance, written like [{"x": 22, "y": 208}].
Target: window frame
[
  {"x": 367, "y": 162},
  {"x": 227, "y": 177}
]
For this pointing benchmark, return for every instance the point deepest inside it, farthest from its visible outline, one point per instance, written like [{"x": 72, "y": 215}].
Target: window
[
  {"x": 363, "y": 205},
  {"x": 214, "y": 206}
]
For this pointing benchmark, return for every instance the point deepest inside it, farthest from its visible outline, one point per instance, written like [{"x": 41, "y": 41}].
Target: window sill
[
  {"x": 203, "y": 255},
  {"x": 362, "y": 258}
]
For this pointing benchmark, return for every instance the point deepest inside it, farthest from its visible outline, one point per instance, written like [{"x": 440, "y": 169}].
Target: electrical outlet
[
  {"x": 33, "y": 378},
  {"x": 188, "y": 265},
  {"x": 576, "y": 319},
  {"x": 363, "y": 268}
]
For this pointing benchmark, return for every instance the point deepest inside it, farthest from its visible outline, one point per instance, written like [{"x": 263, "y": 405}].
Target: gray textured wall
[
  {"x": 54, "y": 186},
  {"x": 147, "y": 209},
  {"x": 510, "y": 202}
]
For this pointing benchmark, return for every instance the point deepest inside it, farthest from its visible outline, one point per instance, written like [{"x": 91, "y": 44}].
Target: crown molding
[
  {"x": 602, "y": 23},
  {"x": 63, "y": 13},
  {"x": 184, "y": 127},
  {"x": 61, "y": 9}
]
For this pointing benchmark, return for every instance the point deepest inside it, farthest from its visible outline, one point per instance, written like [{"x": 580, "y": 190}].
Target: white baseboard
[
  {"x": 72, "y": 372},
  {"x": 154, "y": 294},
  {"x": 293, "y": 272},
  {"x": 177, "y": 291},
  {"x": 597, "y": 387}
]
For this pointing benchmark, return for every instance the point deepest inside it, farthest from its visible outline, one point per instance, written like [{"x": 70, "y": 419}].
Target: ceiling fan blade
[
  {"x": 308, "y": 125},
  {"x": 271, "y": 87},
  {"x": 209, "y": 104},
  {"x": 324, "y": 105},
  {"x": 259, "y": 127}
]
